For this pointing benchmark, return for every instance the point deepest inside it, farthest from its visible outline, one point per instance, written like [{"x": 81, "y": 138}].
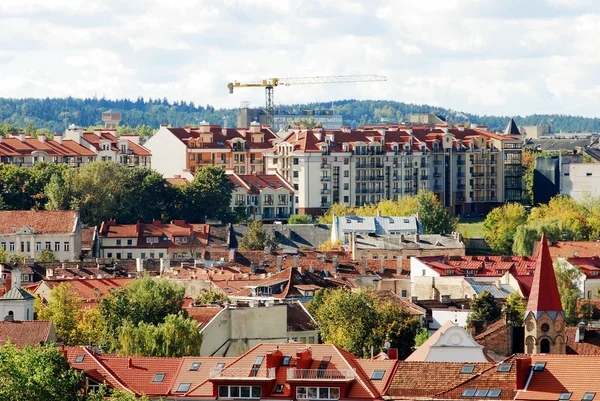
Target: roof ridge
[
  {"x": 107, "y": 370},
  {"x": 369, "y": 387}
]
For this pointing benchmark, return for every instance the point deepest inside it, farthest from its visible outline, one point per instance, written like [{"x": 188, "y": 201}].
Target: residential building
[
  {"x": 30, "y": 332},
  {"x": 29, "y": 232},
  {"x": 470, "y": 169},
  {"x": 181, "y": 151},
  {"x": 234, "y": 330},
  {"x": 264, "y": 197},
  {"x": 24, "y": 150},
  {"x": 90, "y": 290},
  {"x": 106, "y": 146},
  {"x": 283, "y": 118},
  {"x": 176, "y": 240},
  {"x": 580, "y": 180},
  {"x": 344, "y": 228},
  {"x": 278, "y": 372},
  {"x": 449, "y": 343}
]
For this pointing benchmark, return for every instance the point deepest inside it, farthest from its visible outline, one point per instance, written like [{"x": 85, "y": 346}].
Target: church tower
[{"x": 544, "y": 317}]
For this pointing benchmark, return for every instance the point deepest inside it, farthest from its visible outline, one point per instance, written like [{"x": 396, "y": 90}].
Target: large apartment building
[
  {"x": 264, "y": 197},
  {"x": 470, "y": 169},
  {"x": 181, "y": 151}
]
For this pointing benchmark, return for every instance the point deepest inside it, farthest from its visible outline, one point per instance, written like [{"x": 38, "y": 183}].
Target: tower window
[
  {"x": 545, "y": 346},
  {"x": 545, "y": 327}
]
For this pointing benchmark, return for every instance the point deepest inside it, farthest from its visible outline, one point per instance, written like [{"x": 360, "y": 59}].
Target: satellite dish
[{"x": 387, "y": 345}]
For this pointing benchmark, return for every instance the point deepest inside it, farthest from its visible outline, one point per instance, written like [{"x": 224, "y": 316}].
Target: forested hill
[{"x": 56, "y": 114}]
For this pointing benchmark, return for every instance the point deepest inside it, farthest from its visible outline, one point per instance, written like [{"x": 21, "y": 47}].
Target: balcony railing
[
  {"x": 325, "y": 165},
  {"x": 407, "y": 165},
  {"x": 460, "y": 162},
  {"x": 320, "y": 374},
  {"x": 325, "y": 191},
  {"x": 460, "y": 174},
  {"x": 424, "y": 176},
  {"x": 325, "y": 178},
  {"x": 437, "y": 187},
  {"x": 437, "y": 162},
  {"x": 267, "y": 202},
  {"x": 437, "y": 175},
  {"x": 477, "y": 174},
  {"x": 460, "y": 186},
  {"x": 237, "y": 374}
]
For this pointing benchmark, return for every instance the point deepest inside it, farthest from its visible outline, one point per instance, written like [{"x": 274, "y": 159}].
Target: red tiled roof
[
  {"x": 485, "y": 266},
  {"x": 88, "y": 235},
  {"x": 255, "y": 183},
  {"x": 92, "y": 289},
  {"x": 42, "y": 221},
  {"x": 572, "y": 249},
  {"x": 202, "y": 314},
  {"x": 166, "y": 235},
  {"x": 22, "y": 333},
  {"x": 544, "y": 296}
]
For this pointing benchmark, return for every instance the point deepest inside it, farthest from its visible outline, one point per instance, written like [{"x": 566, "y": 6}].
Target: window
[
  {"x": 467, "y": 369},
  {"x": 565, "y": 396},
  {"x": 346, "y": 186},
  {"x": 318, "y": 393},
  {"x": 278, "y": 389},
  {"x": 504, "y": 367},
  {"x": 57, "y": 247},
  {"x": 79, "y": 358},
  {"x": 195, "y": 366},
  {"x": 118, "y": 255},
  {"x": 240, "y": 391},
  {"x": 118, "y": 242},
  {"x": 377, "y": 374},
  {"x": 220, "y": 365},
  {"x": 151, "y": 255},
  {"x": 130, "y": 255},
  {"x": 295, "y": 161},
  {"x": 539, "y": 366},
  {"x": 3, "y": 244},
  {"x": 404, "y": 294},
  {"x": 346, "y": 173},
  {"x": 481, "y": 392},
  {"x": 494, "y": 393},
  {"x": 286, "y": 361},
  {"x": 158, "y": 378},
  {"x": 295, "y": 174},
  {"x": 66, "y": 247},
  {"x": 48, "y": 245},
  {"x": 109, "y": 255},
  {"x": 129, "y": 242},
  {"x": 588, "y": 396},
  {"x": 183, "y": 387},
  {"x": 257, "y": 362},
  {"x": 11, "y": 246},
  {"x": 544, "y": 345},
  {"x": 469, "y": 392},
  {"x": 38, "y": 246},
  {"x": 160, "y": 254}
]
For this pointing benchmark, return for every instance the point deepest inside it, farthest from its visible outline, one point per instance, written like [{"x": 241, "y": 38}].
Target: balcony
[
  {"x": 408, "y": 190},
  {"x": 460, "y": 199},
  {"x": 492, "y": 186},
  {"x": 320, "y": 374},
  {"x": 460, "y": 174},
  {"x": 477, "y": 174},
  {"x": 437, "y": 175},
  {"x": 437, "y": 187},
  {"x": 492, "y": 174},
  {"x": 492, "y": 199},
  {"x": 490, "y": 162},
  {"x": 477, "y": 162},
  {"x": 240, "y": 202},
  {"x": 460, "y": 186},
  {"x": 407, "y": 165},
  {"x": 361, "y": 165},
  {"x": 325, "y": 204},
  {"x": 460, "y": 162},
  {"x": 478, "y": 199},
  {"x": 437, "y": 162},
  {"x": 267, "y": 202},
  {"x": 256, "y": 161},
  {"x": 424, "y": 165},
  {"x": 478, "y": 186},
  {"x": 424, "y": 177},
  {"x": 325, "y": 191},
  {"x": 240, "y": 374},
  {"x": 324, "y": 178},
  {"x": 325, "y": 165}
]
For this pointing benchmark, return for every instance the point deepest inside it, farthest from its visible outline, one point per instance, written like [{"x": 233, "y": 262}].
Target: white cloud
[{"x": 487, "y": 57}]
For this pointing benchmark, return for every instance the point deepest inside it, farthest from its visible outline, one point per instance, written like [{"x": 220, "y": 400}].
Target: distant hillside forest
[{"x": 54, "y": 115}]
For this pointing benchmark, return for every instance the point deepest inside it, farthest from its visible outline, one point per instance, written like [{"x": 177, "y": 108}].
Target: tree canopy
[
  {"x": 355, "y": 321},
  {"x": 256, "y": 238},
  {"x": 483, "y": 309},
  {"x": 500, "y": 226}
]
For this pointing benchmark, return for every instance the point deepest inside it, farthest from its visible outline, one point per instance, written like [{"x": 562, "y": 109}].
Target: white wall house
[
  {"x": 16, "y": 303},
  {"x": 168, "y": 153}
]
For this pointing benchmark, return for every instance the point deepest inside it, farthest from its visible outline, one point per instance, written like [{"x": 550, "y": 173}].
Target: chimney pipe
[
  {"x": 364, "y": 265},
  {"x": 279, "y": 263},
  {"x": 523, "y": 372},
  {"x": 336, "y": 263},
  {"x": 296, "y": 261},
  {"x": 382, "y": 267}
]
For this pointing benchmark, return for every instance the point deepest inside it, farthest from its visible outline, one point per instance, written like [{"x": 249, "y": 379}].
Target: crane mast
[{"x": 270, "y": 83}]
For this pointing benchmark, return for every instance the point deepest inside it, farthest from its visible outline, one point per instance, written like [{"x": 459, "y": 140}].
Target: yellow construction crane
[{"x": 270, "y": 83}]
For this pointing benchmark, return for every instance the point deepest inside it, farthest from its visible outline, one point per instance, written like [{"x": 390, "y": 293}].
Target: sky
[{"x": 502, "y": 57}]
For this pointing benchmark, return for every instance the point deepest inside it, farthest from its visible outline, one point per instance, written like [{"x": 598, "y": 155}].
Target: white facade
[
  {"x": 580, "y": 180},
  {"x": 16, "y": 304},
  {"x": 168, "y": 154},
  {"x": 450, "y": 343}
]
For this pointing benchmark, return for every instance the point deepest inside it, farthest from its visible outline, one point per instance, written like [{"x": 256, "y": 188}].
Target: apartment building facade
[
  {"x": 264, "y": 197},
  {"x": 470, "y": 170},
  {"x": 182, "y": 151}
]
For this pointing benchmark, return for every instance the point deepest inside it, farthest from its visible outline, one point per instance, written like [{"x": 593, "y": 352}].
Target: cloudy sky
[{"x": 484, "y": 56}]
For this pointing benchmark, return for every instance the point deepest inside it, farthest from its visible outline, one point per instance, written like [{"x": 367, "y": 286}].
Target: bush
[{"x": 300, "y": 219}]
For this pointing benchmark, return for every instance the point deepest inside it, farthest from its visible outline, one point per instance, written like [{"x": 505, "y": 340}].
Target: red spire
[{"x": 544, "y": 296}]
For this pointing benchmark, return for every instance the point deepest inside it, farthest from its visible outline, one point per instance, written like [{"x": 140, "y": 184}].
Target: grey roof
[
  {"x": 16, "y": 294},
  {"x": 290, "y": 235},
  {"x": 504, "y": 291},
  {"x": 556, "y": 144},
  {"x": 393, "y": 242},
  {"x": 511, "y": 128},
  {"x": 380, "y": 225}
]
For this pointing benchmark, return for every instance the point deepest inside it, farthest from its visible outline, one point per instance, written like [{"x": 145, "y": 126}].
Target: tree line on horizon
[{"x": 56, "y": 114}]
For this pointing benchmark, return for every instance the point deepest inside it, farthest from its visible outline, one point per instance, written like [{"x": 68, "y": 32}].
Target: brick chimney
[
  {"x": 304, "y": 358},
  {"x": 363, "y": 265},
  {"x": 523, "y": 372},
  {"x": 58, "y": 138},
  {"x": 274, "y": 358},
  {"x": 42, "y": 138}
]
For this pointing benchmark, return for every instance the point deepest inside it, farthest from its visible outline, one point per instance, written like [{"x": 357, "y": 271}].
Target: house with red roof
[
  {"x": 470, "y": 169},
  {"x": 182, "y": 151},
  {"x": 157, "y": 240},
  {"x": 29, "y": 232},
  {"x": 28, "y": 332},
  {"x": 264, "y": 196}
]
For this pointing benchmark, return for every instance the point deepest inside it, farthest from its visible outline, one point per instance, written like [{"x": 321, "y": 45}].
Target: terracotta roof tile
[
  {"x": 30, "y": 332},
  {"x": 42, "y": 221},
  {"x": 544, "y": 294}
]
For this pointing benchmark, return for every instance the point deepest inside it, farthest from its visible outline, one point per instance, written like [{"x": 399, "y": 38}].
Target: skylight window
[
  {"x": 504, "y": 367},
  {"x": 377, "y": 374},
  {"x": 79, "y": 358},
  {"x": 588, "y": 396},
  {"x": 195, "y": 366},
  {"x": 481, "y": 392},
  {"x": 183, "y": 387},
  {"x": 494, "y": 393},
  {"x": 469, "y": 392},
  {"x": 220, "y": 365},
  {"x": 158, "y": 378},
  {"x": 539, "y": 366},
  {"x": 278, "y": 389},
  {"x": 286, "y": 361},
  {"x": 467, "y": 369},
  {"x": 257, "y": 362},
  {"x": 565, "y": 396}
]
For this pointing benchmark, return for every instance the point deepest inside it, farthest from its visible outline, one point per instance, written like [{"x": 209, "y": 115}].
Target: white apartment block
[{"x": 471, "y": 170}]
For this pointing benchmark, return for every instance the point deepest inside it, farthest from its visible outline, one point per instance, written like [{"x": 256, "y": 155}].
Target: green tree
[
  {"x": 309, "y": 123},
  {"x": 300, "y": 219},
  {"x": 59, "y": 191},
  {"x": 355, "y": 321},
  {"x": 45, "y": 256},
  {"x": 567, "y": 279},
  {"x": 40, "y": 373},
  {"x": 562, "y": 218},
  {"x": 3, "y": 255},
  {"x": 483, "y": 309},
  {"x": 500, "y": 226},
  {"x": 421, "y": 337},
  {"x": 211, "y": 296},
  {"x": 514, "y": 308},
  {"x": 63, "y": 309},
  {"x": 524, "y": 240},
  {"x": 432, "y": 214},
  {"x": 256, "y": 238},
  {"x": 208, "y": 196},
  {"x": 176, "y": 336}
]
